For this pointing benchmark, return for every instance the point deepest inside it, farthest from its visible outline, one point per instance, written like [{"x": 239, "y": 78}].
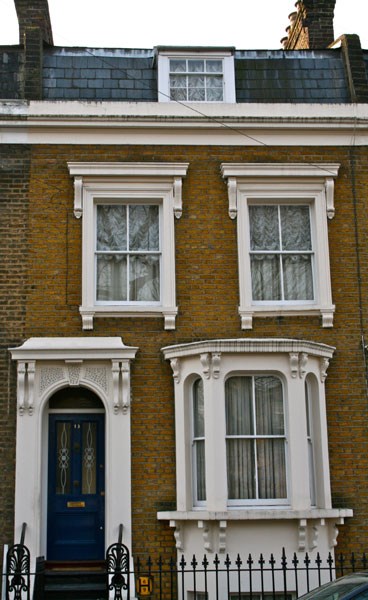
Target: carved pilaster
[
  {"x": 115, "y": 369},
  {"x": 21, "y": 383},
  {"x": 125, "y": 384}
]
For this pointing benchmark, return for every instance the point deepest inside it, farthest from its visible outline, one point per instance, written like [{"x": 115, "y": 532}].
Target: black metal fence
[{"x": 211, "y": 577}]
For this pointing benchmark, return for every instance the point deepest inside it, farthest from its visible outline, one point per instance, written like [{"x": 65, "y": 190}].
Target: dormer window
[{"x": 189, "y": 76}]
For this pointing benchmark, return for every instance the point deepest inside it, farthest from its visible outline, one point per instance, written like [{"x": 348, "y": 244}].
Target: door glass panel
[
  {"x": 63, "y": 470},
  {"x": 89, "y": 439}
]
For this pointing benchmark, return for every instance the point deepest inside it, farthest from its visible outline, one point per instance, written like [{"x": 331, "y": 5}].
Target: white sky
[{"x": 245, "y": 24}]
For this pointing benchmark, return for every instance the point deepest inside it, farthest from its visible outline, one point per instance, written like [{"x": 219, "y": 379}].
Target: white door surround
[{"x": 45, "y": 365}]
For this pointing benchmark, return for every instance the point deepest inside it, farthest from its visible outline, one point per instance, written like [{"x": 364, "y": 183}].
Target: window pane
[
  {"x": 144, "y": 278},
  {"x": 271, "y": 468},
  {"x": 264, "y": 228},
  {"x": 199, "y": 456},
  {"x": 239, "y": 406},
  {"x": 111, "y": 227},
  {"x": 111, "y": 278},
  {"x": 200, "y": 470},
  {"x": 240, "y": 469},
  {"x": 178, "y": 94},
  {"x": 89, "y": 452},
  {"x": 214, "y": 66},
  {"x": 266, "y": 284},
  {"x": 178, "y": 81},
  {"x": 63, "y": 457},
  {"x": 196, "y": 82},
  {"x": 298, "y": 277},
  {"x": 178, "y": 66},
  {"x": 295, "y": 228},
  {"x": 214, "y": 95},
  {"x": 269, "y": 406},
  {"x": 144, "y": 228},
  {"x": 198, "y": 409},
  {"x": 196, "y": 66},
  {"x": 214, "y": 82},
  {"x": 196, "y": 95}
]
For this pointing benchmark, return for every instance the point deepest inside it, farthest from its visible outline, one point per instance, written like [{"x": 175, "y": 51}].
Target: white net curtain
[
  {"x": 255, "y": 438},
  {"x": 128, "y": 253},
  {"x": 281, "y": 253}
]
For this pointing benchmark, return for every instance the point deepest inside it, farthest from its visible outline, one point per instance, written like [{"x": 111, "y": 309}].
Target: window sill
[
  {"x": 255, "y": 514},
  {"x": 89, "y": 313},
  {"x": 281, "y": 310}
]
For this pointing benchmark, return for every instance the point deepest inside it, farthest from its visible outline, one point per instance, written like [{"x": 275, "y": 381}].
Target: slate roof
[{"x": 298, "y": 76}]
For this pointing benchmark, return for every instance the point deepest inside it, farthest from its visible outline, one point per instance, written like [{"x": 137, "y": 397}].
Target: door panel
[{"x": 76, "y": 487}]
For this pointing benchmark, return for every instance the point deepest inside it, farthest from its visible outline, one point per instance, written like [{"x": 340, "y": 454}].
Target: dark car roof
[{"x": 343, "y": 588}]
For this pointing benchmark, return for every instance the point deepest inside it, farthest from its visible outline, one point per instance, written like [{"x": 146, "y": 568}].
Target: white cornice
[
  {"x": 169, "y": 123},
  {"x": 253, "y": 345},
  {"x": 94, "y": 348}
]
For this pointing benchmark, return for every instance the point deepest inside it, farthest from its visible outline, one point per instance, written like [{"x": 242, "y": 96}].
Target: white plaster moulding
[
  {"x": 74, "y": 348},
  {"x": 280, "y": 170},
  {"x": 126, "y": 169},
  {"x": 254, "y": 345},
  {"x": 256, "y": 514}
]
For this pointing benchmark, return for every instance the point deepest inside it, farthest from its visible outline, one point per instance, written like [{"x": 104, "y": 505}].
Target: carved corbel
[
  {"x": 205, "y": 362},
  {"x": 206, "y": 532},
  {"x": 329, "y": 188},
  {"x": 175, "y": 365},
  {"x": 231, "y": 190},
  {"x": 78, "y": 202},
  {"x": 294, "y": 364},
  {"x": 303, "y": 360},
  {"x": 246, "y": 319},
  {"x": 87, "y": 320},
  {"x": 222, "y": 536},
  {"x": 323, "y": 366},
  {"x": 216, "y": 360},
  {"x": 178, "y": 535},
  {"x": 302, "y": 535},
  {"x": 334, "y": 532},
  {"x": 178, "y": 205},
  {"x": 125, "y": 387}
]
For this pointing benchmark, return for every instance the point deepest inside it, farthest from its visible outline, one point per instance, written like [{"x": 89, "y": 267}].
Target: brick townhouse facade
[{"x": 184, "y": 294}]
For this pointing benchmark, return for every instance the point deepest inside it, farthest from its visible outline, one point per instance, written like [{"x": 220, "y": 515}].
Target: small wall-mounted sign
[{"x": 144, "y": 585}]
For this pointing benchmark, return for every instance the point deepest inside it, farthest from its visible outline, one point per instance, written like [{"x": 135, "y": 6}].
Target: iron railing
[{"x": 211, "y": 577}]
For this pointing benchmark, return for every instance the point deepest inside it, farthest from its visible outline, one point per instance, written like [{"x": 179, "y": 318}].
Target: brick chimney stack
[
  {"x": 311, "y": 26},
  {"x": 34, "y": 31}
]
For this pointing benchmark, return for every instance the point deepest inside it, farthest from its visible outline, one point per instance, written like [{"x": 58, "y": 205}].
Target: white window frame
[
  {"x": 163, "y": 62},
  {"x": 217, "y": 360},
  {"x": 283, "y": 183},
  {"x": 259, "y": 501},
  {"x": 194, "y": 453},
  {"x": 128, "y": 183}
]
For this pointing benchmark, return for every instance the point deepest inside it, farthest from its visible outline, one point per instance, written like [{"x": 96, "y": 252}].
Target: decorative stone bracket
[{"x": 25, "y": 386}]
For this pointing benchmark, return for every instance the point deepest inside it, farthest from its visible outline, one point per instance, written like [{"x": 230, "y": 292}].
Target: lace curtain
[
  {"x": 127, "y": 248},
  {"x": 255, "y": 438},
  {"x": 199, "y": 457},
  {"x": 281, "y": 253}
]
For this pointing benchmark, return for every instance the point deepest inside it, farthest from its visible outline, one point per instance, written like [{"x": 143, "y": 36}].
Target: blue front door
[{"x": 76, "y": 475}]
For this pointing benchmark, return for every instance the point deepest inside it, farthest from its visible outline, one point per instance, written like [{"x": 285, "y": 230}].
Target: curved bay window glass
[
  {"x": 198, "y": 443},
  {"x": 255, "y": 439}
]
